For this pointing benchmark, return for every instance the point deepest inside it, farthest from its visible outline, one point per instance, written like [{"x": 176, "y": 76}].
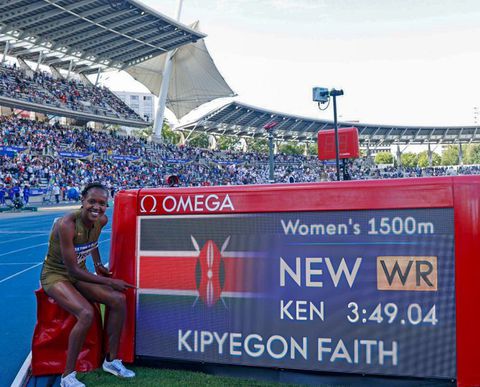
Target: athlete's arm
[{"x": 66, "y": 233}]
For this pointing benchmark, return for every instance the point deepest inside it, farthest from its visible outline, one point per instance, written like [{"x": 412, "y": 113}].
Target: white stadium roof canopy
[
  {"x": 194, "y": 81},
  {"x": 239, "y": 119},
  {"x": 90, "y": 35}
]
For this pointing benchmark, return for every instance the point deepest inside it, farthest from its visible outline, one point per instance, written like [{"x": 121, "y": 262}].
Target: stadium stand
[
  {"x": 241, "y": 119},
  {"x": 48, "y": 157},
  {"x": 41, "y": 88}
]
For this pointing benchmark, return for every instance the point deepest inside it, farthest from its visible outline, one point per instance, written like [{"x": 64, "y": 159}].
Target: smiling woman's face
[{"x": 94, "y": 204}]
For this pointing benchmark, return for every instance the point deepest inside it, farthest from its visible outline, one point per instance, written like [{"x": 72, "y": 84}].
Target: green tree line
[
  {"x": 449, "y": 156},
  {"x": 200, "y": 140}
]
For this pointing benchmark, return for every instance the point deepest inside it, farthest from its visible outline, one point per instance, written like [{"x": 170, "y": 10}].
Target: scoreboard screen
[{"x": 362, "y": 291}]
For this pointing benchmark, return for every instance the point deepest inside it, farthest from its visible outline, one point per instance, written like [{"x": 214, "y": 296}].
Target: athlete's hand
[
  {"x": 103, "y": 271},
  {"x": 120, "y": 285}
]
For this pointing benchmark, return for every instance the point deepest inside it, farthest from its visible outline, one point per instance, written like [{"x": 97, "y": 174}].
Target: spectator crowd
[
  {"x": 42, "y": 88},
  {"x": 58, "y": 160}
]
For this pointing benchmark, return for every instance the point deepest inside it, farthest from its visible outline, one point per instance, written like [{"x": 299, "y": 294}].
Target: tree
[
  {"x": 289, "y": 148},
  {"x": 199, "y": 140},
  {"x": 143, "y": 132},
  {"x": 169, "y": 135},
  {"x": 450, "y": 155},
  {"x": 258, "y": 145},
  {"x": 409, "y": 159},
  {"x": 423, "y": 159},
  {"x": 472, "y": 154},
  {"x": 383, "y": 158},
  {"x": 227, "y": 142},
  {"x": 313, "y": 149}
]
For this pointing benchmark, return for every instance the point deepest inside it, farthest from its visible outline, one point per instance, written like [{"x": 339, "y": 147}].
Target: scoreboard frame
[{"x": 462, "y": 193}]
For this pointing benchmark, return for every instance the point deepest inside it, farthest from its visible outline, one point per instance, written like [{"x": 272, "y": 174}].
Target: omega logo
[
  {"x": 152, "y": 202},
  {"x": 197, "y": 203}
]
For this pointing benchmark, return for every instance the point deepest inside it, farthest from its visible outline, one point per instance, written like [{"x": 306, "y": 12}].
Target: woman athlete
[{"x": 66, "y": 279}]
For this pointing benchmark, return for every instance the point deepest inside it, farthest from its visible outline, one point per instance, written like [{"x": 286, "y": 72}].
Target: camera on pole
[{"x": 322, "y": 95}]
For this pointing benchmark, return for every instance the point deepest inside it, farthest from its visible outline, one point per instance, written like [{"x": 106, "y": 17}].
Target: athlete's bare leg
[
  {"x": 70, "y": 299},
  {"x": 116, "y": 302}
]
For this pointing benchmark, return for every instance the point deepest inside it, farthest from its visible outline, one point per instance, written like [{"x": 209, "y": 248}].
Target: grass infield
[{"x": 147, "y": 377}]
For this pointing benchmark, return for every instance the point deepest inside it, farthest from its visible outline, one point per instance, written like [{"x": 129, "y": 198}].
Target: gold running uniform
[{"x": 85, "y": 240}]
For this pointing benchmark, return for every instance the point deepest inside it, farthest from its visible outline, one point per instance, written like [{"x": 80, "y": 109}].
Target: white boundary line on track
[
  {"x": 23, "y": 249},
  {"x": 17, "y": 263},
  {"x": 19, "y": 380},
  {"x": 34, "y": 266},
  {"x": 21, "y": 272},
  {"x": 21, "y": 239},
  {"x": 24, "y": 232},
  {"x": 41, "y": 244}
]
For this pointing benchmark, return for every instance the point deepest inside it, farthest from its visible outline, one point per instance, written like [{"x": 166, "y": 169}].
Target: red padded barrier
[{"x": 50, "y": 339}]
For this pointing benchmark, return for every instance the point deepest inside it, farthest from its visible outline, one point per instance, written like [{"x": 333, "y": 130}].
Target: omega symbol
[{"x": 153, "y": 204}]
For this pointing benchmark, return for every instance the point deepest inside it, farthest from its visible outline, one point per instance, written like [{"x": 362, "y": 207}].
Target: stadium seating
[
  {"x": 42, "y": 88},
  {"x": 43, "y": 155}
]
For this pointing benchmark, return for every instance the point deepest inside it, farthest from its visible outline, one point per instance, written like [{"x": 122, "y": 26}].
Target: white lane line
[
  {"x": 24, "y": 232},
  {"x": 20, "y": 239},
  {"x": 41, "y": 244},
  {"x": 34, "y": 266},
  {"x": 25, "y": 248},
  {"x": 21, "y": 272},
  {"x": 46, "y": 232},
  {"x": 21, "y": 377},
  {"x": 26, "y": 221}
]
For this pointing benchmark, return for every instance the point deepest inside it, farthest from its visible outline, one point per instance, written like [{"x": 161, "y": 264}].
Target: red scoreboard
[{"x": 366, "y": 277}]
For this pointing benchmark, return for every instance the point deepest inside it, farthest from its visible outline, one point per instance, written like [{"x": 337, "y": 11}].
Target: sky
[{"x": 405, "y": 62}]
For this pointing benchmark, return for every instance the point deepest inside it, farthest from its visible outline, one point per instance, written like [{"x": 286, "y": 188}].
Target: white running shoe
[
  {"x": 71, "y": 381},
  {"x": 116, "y": 368}
]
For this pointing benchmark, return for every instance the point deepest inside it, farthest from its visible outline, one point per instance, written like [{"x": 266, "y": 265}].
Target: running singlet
[{"x": 84, "y": 241}]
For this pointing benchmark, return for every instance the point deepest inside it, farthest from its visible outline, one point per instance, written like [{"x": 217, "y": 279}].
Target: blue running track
[{"x": 23, "y": 244}]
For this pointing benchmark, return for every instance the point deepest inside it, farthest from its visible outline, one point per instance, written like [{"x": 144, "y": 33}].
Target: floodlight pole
[
  {"x": 322, "y": 95},
  {"x": 269, "y": 127},
  {"x": 270, "y": 155},
  {"x": 162, "y": 97},
  {"x": 334, "y": 93}
]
